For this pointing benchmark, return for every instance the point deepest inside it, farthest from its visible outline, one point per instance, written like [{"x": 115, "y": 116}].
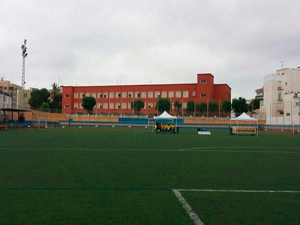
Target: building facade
[
  {"x": 25, "y": 98},
  {"x": 280, "y": 103},
  {"x": 12, "y": 90},
  {"x": 5, "y": 100},
  {"x": 117, "y": 99}
]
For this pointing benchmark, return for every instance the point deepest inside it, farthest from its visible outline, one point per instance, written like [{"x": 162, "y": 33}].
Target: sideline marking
[
  {"x": 196, "y": 218},
  {"x": 187, "y": 207},
  {"x": 199, "y": 149}
]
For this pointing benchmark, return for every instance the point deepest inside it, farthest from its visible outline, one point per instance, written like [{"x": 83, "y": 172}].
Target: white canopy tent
[
  {"x": 166, "y": 116},
  {"x": 245, "y": 117}
]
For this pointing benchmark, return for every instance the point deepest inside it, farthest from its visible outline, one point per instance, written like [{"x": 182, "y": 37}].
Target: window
[
  {"x": 203, "y": 95},
  {"x": 130, "y": 94},
  {"x": 111, "y": 105},
  {"x": 81, "y": 95},
  {"x": 100, "y": 95},
  {"x": 171, "y": 94},
  {"x": 118, "y": 105},
  {"x": 297, "y": 103},
  {"x": 94, "y": 94},
  {"x": 105, "y": 95},
  {"x": 87, "y": 94},
  {"x": 185, "y": 94},
  {"x": 129, "y": 105},
  {"x": 137, "y": 94},
  {"x": 80, "y": 106},
  {"x": 164, "y": 94},
  {"x": 66, "y": 106},
  {"x": 279, "y": 95},
  {"x": 194, "y": 93},
  {"x": 123, "y": 105},
  {"x": 124, "y": 94},
  {"x": 150, "y": 105},
  {"x": 178, "y": 94},
  {"x": 150, "y": 94},
  {"x": 157, "y": 94},
  {"x": 184, "y": 105},
  {"x": 111, "y": 94},
  {"x": 143, "y": 94},
  {"x": 288, "y": 114},
  {"x": 25, "y": 96},
  {"x": 99, "y": 105},
  {"x": 66, "y": 96},
  {"x": 285, "y": 83},
  {"x": 75, "y": 105},
  {"x": 118, "y": 94},
  {"x": 105, "y": 105},
  {"x": 203, "y": 81},
  {"x": 11, "y": 88}
]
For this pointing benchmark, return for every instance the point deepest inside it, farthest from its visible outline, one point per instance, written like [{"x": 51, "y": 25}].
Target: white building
[
  {"x": 280, "y": 103},
  {"x": 5, "y": 101}
]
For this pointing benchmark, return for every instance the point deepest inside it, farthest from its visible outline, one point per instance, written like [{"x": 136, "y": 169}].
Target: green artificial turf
[{"x": 126, "y": 176}]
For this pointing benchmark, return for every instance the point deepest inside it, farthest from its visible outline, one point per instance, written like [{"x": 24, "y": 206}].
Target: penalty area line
[
  {"x": 241, "y": 191},
  {"x": 196, "y": 218},
  {"x": 187, "y": 207}
]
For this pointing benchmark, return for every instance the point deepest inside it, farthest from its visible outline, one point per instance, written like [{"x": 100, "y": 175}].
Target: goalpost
[{"x": 42, "y": 122}]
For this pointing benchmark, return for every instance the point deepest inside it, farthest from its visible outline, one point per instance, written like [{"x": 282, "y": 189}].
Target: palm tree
[{"x": 54, "y": 91}]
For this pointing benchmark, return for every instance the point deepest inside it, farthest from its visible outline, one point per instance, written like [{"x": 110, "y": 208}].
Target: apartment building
[
  {"x": 11, "y": 89},
  {"x": 280, "y": 103},
  {"x": 5, "y": 100},
  {"x": 116, "y": 99}
]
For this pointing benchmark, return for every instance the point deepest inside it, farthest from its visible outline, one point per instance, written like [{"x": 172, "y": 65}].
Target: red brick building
[{"x": 116, "y": 99}]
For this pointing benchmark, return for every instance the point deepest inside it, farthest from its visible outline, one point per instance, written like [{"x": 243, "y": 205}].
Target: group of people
[{"x": 164, "y": 128}]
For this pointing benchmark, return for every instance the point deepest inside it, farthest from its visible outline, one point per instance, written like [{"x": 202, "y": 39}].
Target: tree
[
  {"x": 137, "y": 105},
  {"x": 163, "y": 104},
  {"x": 239, "y": 106},
  {"x": 190, "y": 107},
  {"x": 38, "y": 97},
  {"x": 177, "y": 106},
  {"x": 54, "y": 91},
  {"x": 213, "y": 107},
  {"x": 88, "y": 104},
  {"x": 56, "y": 98},
  {"x": 55, "y": 104},
  {"x": 45, "y": 107},
  {"x": 226, "y": 105},
  {"x": 201, "y": 108}
]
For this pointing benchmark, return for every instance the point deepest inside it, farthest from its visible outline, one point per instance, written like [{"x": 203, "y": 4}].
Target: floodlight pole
[{"x": 24, "y": 54}]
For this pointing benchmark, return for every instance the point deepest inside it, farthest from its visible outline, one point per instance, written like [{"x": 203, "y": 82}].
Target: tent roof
[
  {"x": 165, "y": 115},
  {"x": 244, "y": 117}
]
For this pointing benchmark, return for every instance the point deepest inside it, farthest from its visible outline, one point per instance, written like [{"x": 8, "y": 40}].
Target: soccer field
[{"x": 131, "y": 176}]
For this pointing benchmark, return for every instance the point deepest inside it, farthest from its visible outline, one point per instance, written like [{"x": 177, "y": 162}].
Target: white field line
[
  {"x": 196, "y": 218},
  {"x": 200, "y": 149},
  {"x": 240, "y": 191},
  {"x": 187, "y": 207}
]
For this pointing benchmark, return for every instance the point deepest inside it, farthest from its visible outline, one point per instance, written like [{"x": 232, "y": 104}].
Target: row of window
[
  {"x": 117, "y": 105},
  {"x": 124, "y": 94}
]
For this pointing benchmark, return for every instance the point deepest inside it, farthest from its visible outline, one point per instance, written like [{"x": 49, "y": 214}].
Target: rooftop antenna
[
  {"x": 24, "y": 55},
  {"x": 281, "y": 64}
]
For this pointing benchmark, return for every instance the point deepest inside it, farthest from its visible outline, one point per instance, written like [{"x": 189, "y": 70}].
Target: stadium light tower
[{"x": 24, "y": 54}]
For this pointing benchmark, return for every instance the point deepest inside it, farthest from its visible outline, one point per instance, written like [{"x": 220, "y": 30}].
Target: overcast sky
[{"x": 94, "y": 42}]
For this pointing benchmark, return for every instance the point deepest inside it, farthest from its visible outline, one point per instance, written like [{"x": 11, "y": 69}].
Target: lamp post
[{"x": 24, "y": 55}]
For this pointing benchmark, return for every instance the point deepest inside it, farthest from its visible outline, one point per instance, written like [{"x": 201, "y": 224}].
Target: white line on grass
[
  {"x": 241, "y": 191},
  {"x": 196, "y": 218},
  {"x": 199, "y": 149},
  {"x": 187, "y": 207}
]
